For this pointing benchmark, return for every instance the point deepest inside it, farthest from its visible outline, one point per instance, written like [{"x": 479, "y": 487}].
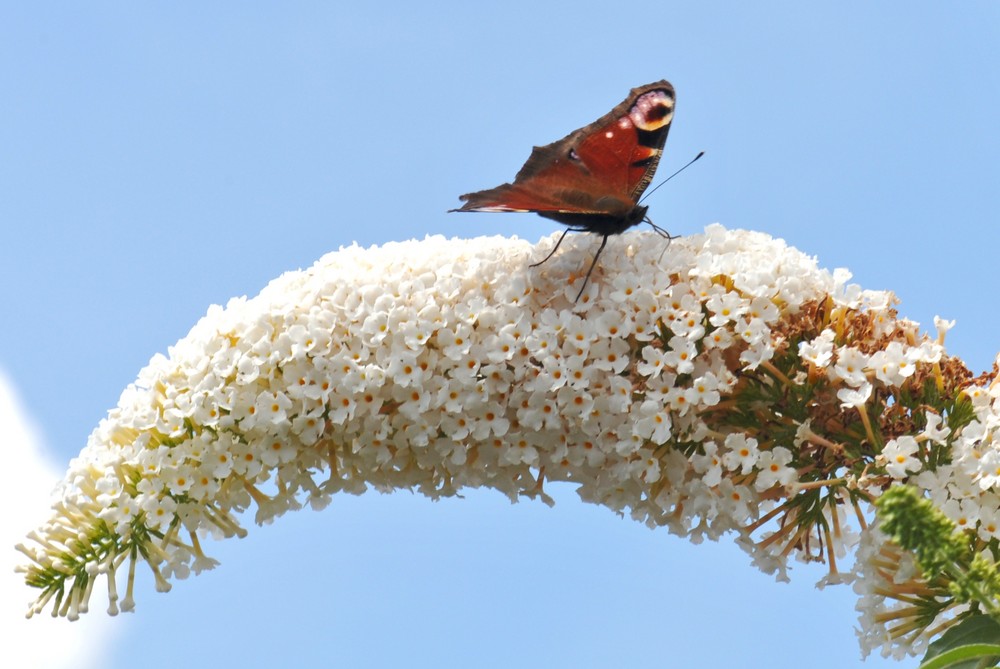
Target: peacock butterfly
[{"x": 592, "y": 179}]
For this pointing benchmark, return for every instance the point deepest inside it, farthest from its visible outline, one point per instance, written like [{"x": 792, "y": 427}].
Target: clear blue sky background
[{"x": 159, "y": 157}]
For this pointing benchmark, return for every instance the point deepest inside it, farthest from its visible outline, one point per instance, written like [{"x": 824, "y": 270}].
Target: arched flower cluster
[{"x": 721, "y": 383}]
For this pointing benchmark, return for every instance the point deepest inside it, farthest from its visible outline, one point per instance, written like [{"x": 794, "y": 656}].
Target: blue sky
[{"x": 158, "y": 158}]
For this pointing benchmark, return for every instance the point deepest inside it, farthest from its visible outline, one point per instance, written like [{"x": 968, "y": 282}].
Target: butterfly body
[
  {"x": 602, "y": 224},
  {"x": 592, "y": 179}
]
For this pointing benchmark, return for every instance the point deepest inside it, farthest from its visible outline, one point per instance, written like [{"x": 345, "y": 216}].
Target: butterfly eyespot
[
  {"x": 652, "y": 111},
  {"x": 573, "y": 155}
]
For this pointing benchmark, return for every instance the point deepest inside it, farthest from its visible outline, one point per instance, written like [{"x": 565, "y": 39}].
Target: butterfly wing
[{"x": 598, "y": 171}]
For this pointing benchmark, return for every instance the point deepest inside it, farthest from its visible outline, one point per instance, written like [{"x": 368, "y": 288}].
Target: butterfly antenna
[{"x": 690, "y": 162}]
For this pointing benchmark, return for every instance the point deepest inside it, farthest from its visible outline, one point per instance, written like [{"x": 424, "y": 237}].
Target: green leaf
[
  {"x": 973, "y": 656},
  {"x": 972, "y": 644}
]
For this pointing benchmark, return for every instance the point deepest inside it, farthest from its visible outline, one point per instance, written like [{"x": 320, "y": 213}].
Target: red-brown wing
[{"x": 602, "y": 168}]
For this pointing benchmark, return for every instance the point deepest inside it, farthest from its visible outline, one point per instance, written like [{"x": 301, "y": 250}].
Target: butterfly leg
[
  {"x": 660, "y": 231},
  {"x": 663, "y": 233},
  {"x": 554, "y": 249},
  {"x": 593, "y": 264}
]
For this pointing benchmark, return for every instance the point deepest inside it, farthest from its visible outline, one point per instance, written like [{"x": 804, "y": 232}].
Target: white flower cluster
[
  {"x": 957, "y": 470},
  {"x": 443, "y": 364},
  {"x": 966, "y": 488}
]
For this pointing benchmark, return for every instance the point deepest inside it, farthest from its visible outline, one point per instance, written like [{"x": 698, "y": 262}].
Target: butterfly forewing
[
  {"x": 601, "y": 169},
  {"x": 627, "y": 147}
]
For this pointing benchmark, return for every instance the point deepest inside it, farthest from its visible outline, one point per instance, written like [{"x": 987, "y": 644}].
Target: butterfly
[{"x": 592, "y": 179}]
